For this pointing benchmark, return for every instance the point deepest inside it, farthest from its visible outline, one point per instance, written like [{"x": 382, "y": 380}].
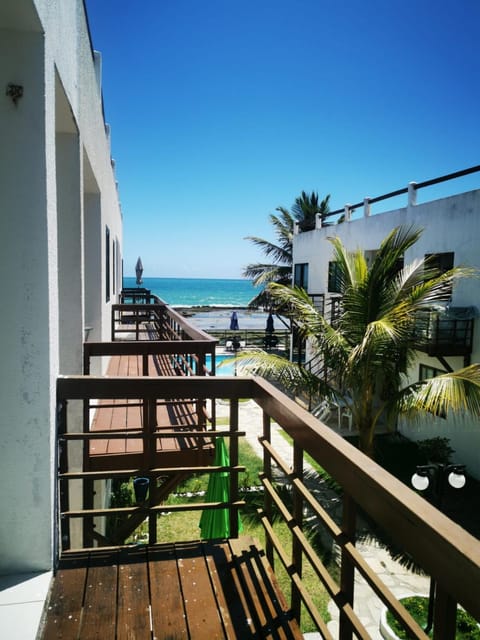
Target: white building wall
[
  {"x": 55, "y": 172},
  {"x": 449, "y": 224}
]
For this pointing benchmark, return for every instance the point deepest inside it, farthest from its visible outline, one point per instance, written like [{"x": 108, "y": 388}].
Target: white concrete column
[
  {"x": 348, "y": 213},
  {"x": 26, "y": 416},
  {"x": 69, "y": 238}
]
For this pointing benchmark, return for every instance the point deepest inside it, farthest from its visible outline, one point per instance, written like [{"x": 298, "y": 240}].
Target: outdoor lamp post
[{"x": 437, "y": 477}]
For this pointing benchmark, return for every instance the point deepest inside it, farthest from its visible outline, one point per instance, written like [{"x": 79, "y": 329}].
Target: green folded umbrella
[{"x": 215, "y": 523}]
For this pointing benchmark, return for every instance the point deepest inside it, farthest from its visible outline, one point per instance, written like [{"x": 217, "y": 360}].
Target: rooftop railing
[
  {"x": 411, "y": 190},
  {"x": 435, "y": 543}
]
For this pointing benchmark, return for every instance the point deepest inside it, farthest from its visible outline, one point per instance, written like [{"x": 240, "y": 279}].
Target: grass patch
[{"x": 417, "y": 606}]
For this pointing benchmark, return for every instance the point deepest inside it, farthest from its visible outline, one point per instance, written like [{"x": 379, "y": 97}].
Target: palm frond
[
  {"x": 291, "y": 376},
  {"x": 278, "y": 253},
  {"x": 457, "y": 391},
  {"x": 265, "y": 273}
]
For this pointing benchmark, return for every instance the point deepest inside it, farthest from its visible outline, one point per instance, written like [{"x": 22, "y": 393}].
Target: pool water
[{"x": 227, "y": 368}]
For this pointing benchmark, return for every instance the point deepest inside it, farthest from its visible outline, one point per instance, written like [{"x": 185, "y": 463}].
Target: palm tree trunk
[{"x": 365, "y": 438}]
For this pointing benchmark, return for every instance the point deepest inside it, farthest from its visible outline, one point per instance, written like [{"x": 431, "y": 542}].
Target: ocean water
[{"x": 194, "y": 292}]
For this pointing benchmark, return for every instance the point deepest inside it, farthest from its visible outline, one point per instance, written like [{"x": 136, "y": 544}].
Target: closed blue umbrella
[
  {"x": 234, "y": 322},
  {"x": 270, "y": 328},
  {"x": 139, "y": 271}
]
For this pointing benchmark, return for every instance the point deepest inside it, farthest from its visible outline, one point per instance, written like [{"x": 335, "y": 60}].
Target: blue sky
[{"x": 222, "y": 110}]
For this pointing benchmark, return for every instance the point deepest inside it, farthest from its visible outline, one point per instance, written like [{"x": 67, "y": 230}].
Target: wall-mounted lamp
[{"x": 15, "y": 92}]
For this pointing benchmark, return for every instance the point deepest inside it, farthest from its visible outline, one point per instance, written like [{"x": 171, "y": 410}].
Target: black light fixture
[
  {"x": 437, "y": 477},
  {"x": 14, "y": 91}
]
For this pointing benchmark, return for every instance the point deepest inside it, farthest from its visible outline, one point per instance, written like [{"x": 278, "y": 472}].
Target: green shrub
[
  {"x": 436, "y": 450},
  {"x": 417, "y": 606}
]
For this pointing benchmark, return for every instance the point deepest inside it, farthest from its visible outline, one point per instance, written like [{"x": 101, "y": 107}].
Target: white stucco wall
[
  {"x": 45, "y": 195},
  {"x": 450, "y": 224}
]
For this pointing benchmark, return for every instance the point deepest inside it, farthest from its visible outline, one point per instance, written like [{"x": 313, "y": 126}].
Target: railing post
[
  {"x": 348, "y": 213},
  {"x": 347, "y": 569},
  {"x": 112, "y": 328},
  {"x": 267, "y": 470},
  {"x": 366, "y": 207},
  {"x": 412, "y": 194},
  {"x": 445, "y": 615},
  {"x": 150, "y": 443},
  {"x": 233, "y": 511},
  {"x": 87, "y": 485},
  {"x": 62, "y": 467},
  {"x": 297, "y": 555}
]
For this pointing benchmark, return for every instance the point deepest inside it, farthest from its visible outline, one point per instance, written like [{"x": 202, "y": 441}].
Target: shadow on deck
[{"x": 217, "y": 589}]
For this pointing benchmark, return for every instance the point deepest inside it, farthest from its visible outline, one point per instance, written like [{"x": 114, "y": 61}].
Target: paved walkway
[{"x": 398, "y": 579}]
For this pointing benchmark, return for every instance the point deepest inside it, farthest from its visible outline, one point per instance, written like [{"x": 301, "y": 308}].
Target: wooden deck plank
[
  {"x": 133, "y": 618},
  {"x": 118, "y": 421},
  {"x": 231, "y": 602},
  {"x": 190, "y": 590},
  {"x": 168, "y": 612},
  {"x": 100, "y": 603},
  {"x": 200, "y": 605},
  {"x": 65, "y": 604}
]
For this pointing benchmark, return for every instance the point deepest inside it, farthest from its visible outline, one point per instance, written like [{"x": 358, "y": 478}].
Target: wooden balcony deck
[
  {"x": 129, "y": 416},
  {"x": 219, "y": 589}
]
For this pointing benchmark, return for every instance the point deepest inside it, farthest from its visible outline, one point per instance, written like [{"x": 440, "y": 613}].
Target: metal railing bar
[
  {"x": 293, "y": 574},
  {"x": 193, "y": 506},
  {"x": 332, "y": 587},
  {"x": 138, "y": 435},
  {"x": 317, "y": 508},
  {"x": 383, "y": 592},
  {"x": 319, "y": 568},
  {"x": 99, "y": 475}
]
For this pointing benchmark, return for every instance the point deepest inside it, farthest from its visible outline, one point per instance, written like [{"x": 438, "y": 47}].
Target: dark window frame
[
  {"x": 300, "y": 275},
  {"x": 333, "y": 277},
  {"x": 107, "y": 264}
]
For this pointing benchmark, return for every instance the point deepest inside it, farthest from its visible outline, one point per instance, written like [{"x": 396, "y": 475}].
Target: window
[
  {"x": 114, "y": 247},
  {"x": 107, "y": 264},
  {"x": 300, "y": 275},
  {"x": 426, "y": 372},
  {"x": 442, "y": 262},
  {"x": 334, "y": 281}
]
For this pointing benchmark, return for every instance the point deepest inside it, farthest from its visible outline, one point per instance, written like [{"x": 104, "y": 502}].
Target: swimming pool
[{"x": 227, "y": 368}]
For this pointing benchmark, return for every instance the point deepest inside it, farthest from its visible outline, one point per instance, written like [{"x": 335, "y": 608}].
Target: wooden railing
[
  {"x": 137, "y": 295},
  {"x": 443, "y": 549}
]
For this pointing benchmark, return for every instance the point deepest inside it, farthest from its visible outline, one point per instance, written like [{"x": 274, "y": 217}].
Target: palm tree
[
  {"x": 280, "y": 269},
  {"x": 306, "y": 207},
  {"x": 366, "y": 355}
]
